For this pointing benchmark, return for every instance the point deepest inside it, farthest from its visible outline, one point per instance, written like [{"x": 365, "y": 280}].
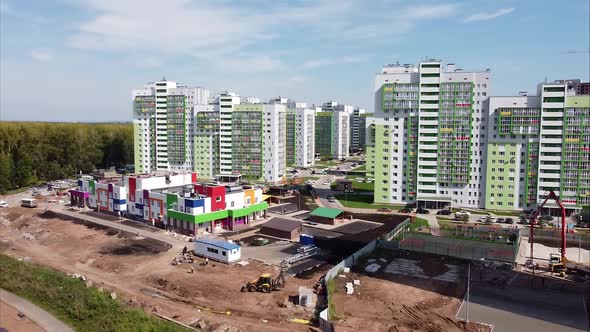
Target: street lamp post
[{"x": 468, "y": 291}]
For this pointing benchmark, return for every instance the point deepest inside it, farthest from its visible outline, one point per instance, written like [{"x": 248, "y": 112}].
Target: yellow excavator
[{"x": 265, "y": 283}]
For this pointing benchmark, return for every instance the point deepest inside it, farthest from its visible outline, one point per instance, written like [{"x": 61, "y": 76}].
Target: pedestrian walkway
[{"x": 41, "y": 317}]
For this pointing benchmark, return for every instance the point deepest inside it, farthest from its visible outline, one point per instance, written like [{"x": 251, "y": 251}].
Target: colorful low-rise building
[{"x": 175, "y": 202}]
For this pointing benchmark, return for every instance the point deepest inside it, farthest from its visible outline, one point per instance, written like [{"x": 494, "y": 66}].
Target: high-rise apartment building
[
  {"x": 358, "y": 126},
  {"x": 163, "y": 125},
  {"x": 426, "y": 141},
  {"x": 259, "y": 141},
  {"x": 300, "y": 137},
  {"x": 332, "y": 134},
  {"x": 537, "y": 144},
  {"x": 207, "y": 140}
]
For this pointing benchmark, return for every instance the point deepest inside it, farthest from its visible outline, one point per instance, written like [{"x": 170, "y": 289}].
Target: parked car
[
  {"x": 509, "y": 221},
  {"x": 3, "y": 204},
  {"x": 405, "y": 210},
  {"x": 483, "y": 218},
  {"x": 422, "y": 210},
  {"x": 492, "y": 219},
  {"x": 384, "y": 210},
  {"x": 444, "y": 213},
  {"x": 330, "y": 197},
  {"x": 500, "y": 220},
  {"x": 546, "y": 218}
]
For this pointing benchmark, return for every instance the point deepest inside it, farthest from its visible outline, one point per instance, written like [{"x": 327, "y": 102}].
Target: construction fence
[
  {"x": 460, "y": 248},
  {"x": 351, "y": 260}
]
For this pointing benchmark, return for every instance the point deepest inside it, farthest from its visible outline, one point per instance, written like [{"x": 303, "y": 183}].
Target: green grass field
[
  {"x": 68, "y": 299},
  {"x": 363, "y": 186},
  {"x": 418, "y": 222},
  {"x": 326, "y": 163},
  {"x": 360, "y": 201},
  {"x": 361, "y": 168}
]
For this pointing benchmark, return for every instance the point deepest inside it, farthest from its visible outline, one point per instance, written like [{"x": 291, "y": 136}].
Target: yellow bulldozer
[{"x": 265, "y": 283}]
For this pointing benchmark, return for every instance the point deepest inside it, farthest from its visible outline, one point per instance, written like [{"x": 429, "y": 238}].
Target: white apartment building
[
  {"x": 275, "y": 127},
  {"x": 332, "y": 134},
  {"x": 163, "y": 115},
  {"x": 538, "y": 144},
  {"x": 427, "y": 141},
  {"x": 300, "y": 137},
  {"x": 225, "y": 104}
]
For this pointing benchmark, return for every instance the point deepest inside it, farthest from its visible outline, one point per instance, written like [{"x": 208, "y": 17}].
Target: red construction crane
[{"x": 536, "y": 213}]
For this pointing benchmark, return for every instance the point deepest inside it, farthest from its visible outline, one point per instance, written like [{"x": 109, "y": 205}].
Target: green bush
[{"x": 68, "y": 299}]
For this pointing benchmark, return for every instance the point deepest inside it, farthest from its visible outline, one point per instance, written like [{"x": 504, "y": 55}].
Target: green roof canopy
[{"x": 326, "y": 212}]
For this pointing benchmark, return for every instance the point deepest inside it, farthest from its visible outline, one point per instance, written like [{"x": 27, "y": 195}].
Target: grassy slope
[{"x": 68, "y": 299}]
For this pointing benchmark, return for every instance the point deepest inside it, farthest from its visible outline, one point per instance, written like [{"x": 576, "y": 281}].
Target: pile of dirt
[
  {"x": 433, "y": 267},
  {"x": 168, "y": 286},
  {"x": 13, "y": 214},
  {"x": 141, "y": 247},
  {"x": 106, "y": 266}
]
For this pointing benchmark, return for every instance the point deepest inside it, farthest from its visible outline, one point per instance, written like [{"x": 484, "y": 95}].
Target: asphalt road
[
  {"x": 41, "y": 317},
  {"x": 523, "y": 309}
]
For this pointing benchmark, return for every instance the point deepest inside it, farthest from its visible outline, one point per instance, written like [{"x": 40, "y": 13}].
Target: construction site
[
  {"x": 273, "y": 279},
  {"x": 139, "y": 270}
]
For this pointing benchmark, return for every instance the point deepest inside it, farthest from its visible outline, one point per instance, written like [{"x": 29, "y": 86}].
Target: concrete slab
[{"x": 524, "y": 309}]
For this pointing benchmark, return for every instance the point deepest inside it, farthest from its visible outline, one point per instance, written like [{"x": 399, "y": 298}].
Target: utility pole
[{"x": 468, "y": 291}]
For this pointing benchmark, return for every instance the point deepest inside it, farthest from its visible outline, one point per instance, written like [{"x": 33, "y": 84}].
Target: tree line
[{"x": 33, "y": 152}]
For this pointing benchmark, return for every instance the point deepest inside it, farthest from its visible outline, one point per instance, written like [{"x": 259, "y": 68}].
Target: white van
[{"x": 29, "y": 202}]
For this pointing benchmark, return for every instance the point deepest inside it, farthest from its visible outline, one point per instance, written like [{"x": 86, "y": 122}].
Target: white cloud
[
  {"x": 335, "y": 61},
  {"x": 422, "y": 12},
  {"x": 41, "y": 55},
  {"x": 248, "y": 64},
  {"x": 488, "y": 16},
  {"x": 397, "y": 24}
]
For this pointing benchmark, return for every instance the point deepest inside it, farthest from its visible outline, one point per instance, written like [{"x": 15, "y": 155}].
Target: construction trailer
[
  {"x": 222, "y": 251},
  {"x": 29, "y": 202}
]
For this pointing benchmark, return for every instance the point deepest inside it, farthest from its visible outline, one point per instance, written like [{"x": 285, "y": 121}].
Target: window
[
  {"x": 232, "y": 204},
  {"x": 218, "y": 199},
  {"x": 213, "y": 250},
  {"x": 223, "y": 253}
]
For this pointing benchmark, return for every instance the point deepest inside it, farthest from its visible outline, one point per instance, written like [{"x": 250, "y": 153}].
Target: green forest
[{"x": 34, "y": 152}]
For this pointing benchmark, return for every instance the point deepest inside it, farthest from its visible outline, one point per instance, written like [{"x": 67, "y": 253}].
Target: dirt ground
[
  {"x": 139, "y": 270},
  {"x": 402, "y": 302},
  {"x": 11, "y": 322}
]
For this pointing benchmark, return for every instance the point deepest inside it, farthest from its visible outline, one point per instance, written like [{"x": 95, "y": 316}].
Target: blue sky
[{"x": 78, "y": 60}]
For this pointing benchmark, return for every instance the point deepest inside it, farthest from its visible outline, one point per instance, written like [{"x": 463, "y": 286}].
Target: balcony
[
  {"x": 553, "y": 105},
  {"x": 429, "y": 80},
  {"x": 428, "y": 106},
  {"x": 429, "y": 89},
  {"x": 553, "y": 94}
]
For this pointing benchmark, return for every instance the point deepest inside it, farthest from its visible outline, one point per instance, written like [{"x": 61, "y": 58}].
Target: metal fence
[{"x": 466, "y": 249}]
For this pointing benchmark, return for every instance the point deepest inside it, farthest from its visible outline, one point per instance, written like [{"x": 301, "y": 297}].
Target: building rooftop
[
  {"x": 326, "y": 212},
  {"x": 218, "y": 243},
  {"x": 282, "y": 224}
]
